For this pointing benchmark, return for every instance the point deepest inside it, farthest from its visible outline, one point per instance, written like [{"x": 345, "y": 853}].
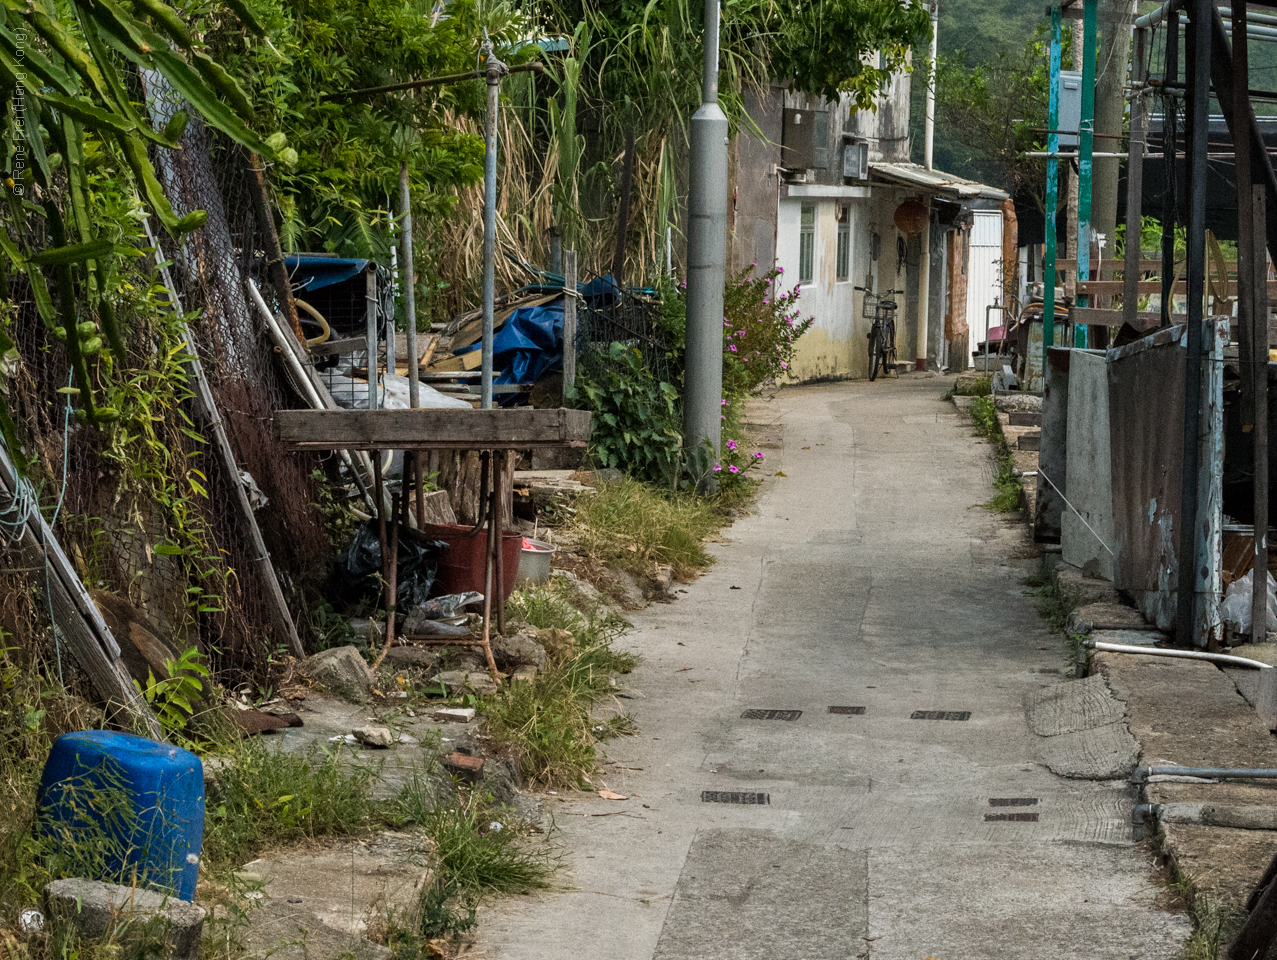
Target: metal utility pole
[
  {"x": 1086, "y": 146},
  {"x": 494, "y": 70},
  {"x": 1198, "y": 58},
  {"x": 930, "y": 140},
  {"x": 1252, "y": 312},
  {"x": 706, "y": 258},
  {"x": 1052, "y": 190}
]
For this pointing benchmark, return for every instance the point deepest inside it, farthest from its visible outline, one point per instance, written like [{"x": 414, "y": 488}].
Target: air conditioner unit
[{"x": 855, "y": 159}]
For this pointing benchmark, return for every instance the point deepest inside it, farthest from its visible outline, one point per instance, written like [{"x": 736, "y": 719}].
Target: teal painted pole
[
  {"x": 1086, "y": 147},
  {"x": 1052, "y": 189}
]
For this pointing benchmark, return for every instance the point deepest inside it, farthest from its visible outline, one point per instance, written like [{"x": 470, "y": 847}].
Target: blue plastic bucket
[{"x": 126, "y": 808}]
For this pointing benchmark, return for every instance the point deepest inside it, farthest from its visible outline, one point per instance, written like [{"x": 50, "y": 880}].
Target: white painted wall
[{"x": 836, "y": 345}]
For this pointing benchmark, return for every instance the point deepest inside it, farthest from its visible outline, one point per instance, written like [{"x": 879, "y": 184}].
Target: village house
[{"x": 828, "y": 194}]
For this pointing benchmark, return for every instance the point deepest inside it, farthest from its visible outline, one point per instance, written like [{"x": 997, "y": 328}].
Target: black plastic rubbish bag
[{"x": 355, "y": 575}]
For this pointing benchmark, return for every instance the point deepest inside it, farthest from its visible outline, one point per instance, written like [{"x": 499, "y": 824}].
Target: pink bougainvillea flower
[
  {"x": 784, "y": 366},
  {"x": 734, "y": 469},
  {"x": 731, "y": 444},
  {"x": 718, "y": 467},
  {"x": 758, "y": 455},
  {"x": 731, "y": 347},
  {"x": 740, "y": 333}
]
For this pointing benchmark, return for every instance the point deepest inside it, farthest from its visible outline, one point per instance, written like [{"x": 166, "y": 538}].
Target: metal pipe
[
  {"x": 494, "y": 70},
  {"x": 409, "y": 274},
  {"x": 1135, "y": 185},
  {"x": 370, "y": 333},
  {"x": 929, "y": 142},
  {"x": 1223, "y": 658},
  {"x": 1171, "y": 75},
  {"x": 706, "y": 264},
  {"x": 1052, "y": 190},
  {"x": 1073, "y": 153},
  {"x": 1189, "y": 578},
  {"x": 1142, "y": 774},
  {"x": 1249, "y": 16},
  {"x": 1155, "y": 17}
]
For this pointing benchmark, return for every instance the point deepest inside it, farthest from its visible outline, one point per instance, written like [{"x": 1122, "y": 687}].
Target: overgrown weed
[
  {"x": 1208, "y": 918},
  {"x": 546, "y": 724},
  {"x": 1009, "y": 497},
  {"x": 635, "y": 526},
  {"x": 265, "y": 796}
]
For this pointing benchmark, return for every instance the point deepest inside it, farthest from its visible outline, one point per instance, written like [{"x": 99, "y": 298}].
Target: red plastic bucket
[{"x": 461, "y": 569}]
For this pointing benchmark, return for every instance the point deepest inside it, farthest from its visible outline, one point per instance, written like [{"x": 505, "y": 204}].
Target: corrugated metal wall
[{"x": 984, "y": 272}]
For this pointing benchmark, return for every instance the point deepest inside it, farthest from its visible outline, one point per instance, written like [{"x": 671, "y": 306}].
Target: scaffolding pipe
[
  {"x": 494, "y": 70},
  {"x": 1142, "y": 774}
]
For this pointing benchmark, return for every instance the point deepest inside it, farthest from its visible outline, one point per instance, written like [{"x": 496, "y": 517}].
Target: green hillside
[{"x": 976, "y": 30}]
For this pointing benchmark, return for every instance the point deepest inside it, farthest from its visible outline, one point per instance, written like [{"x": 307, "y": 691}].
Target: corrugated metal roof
[{"x": 936, "y": 181}]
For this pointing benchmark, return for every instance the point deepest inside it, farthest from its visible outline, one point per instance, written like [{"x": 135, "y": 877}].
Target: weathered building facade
[{"x": 828, "y": 194}]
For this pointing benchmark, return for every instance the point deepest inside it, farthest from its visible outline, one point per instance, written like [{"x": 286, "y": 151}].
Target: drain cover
[
  {"x": 732, "y": 796},
  {"x": 940, "y": 715},
  {"x": 1013, "y": 801},
  {"x": 771, "y": 714},
  {"x": 1011, "y": 817},
  {"x": 849, "y": 711}
]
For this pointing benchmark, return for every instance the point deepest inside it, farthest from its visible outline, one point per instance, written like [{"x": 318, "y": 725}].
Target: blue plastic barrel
[{"x": 125, "y": 808}]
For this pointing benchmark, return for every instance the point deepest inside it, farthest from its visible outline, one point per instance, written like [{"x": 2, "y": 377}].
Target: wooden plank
[
  {"x": 521, "y": 428},
  {"x": 1111, "y": 287},
  {"x": 466, "y": 361},
  {"x": 338, "y": 347}
]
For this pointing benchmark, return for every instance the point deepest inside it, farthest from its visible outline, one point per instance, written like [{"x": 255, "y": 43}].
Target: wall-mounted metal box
[
  {"x": 805, "y": 140},
  {"x": 1070, "y": 118},
  {"x": 855, "y": 159}
]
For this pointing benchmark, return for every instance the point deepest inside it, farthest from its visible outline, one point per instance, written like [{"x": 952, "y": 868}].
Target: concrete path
[{"x": 870, "y": 580}]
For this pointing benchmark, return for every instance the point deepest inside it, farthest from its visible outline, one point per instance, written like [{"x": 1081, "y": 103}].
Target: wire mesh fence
[{"x": 627, "y": 318}]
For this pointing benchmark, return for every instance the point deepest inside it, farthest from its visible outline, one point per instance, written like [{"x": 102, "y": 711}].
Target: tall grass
[
  {"x": 265, "y": 797},
  {"x": 635, "y": 527},
  {"x": 1010, "y": 494},
  {"x": 546, "y": 725}
]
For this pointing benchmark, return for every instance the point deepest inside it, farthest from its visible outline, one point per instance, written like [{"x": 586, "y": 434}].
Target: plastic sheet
[
  {"x": 1235, "y": 610},
  {"x": 530, "y": 342},
  {"x": 355, "y": 575}
]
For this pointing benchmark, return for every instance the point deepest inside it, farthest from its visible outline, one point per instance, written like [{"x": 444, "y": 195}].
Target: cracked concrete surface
[{"x": 868, "y": 576}]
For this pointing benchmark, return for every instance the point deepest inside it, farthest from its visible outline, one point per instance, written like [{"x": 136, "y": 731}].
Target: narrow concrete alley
[{"x": 905, "y": 813}]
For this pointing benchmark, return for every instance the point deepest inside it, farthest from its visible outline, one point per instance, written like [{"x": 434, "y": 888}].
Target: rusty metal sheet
[{"x": 1146, "y": 416}]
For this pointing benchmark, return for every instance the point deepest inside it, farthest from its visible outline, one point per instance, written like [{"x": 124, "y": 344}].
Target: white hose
[{"x": 1179, "y": 654}]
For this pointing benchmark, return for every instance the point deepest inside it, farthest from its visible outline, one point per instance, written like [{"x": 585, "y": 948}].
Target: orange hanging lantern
[{"x": 911, "y": 217}]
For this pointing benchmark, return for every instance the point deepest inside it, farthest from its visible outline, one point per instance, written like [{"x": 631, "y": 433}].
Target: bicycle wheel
[{"x": 875, "y": 354}]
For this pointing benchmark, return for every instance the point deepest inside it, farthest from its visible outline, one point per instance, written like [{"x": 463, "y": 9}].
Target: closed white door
[{"x": 984, "y": 274}]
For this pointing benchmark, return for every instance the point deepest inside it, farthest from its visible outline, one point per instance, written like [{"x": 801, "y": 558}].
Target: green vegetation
[
  {"x": 546, "y": 725},
  {"x": 1010, "y": 495},
  {"x": 264, "y": 796},
  {"x": 635, "y": 526}
]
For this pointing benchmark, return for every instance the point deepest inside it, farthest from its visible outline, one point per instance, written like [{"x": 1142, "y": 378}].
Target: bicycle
[{"x": 882, "y": 335}]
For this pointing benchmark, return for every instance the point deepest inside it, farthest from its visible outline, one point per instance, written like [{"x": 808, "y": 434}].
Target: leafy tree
[
  {"x": 350, "y": 149},
  {"x": 822, "y": 46},
  {"x": 998, "y": 109},
  {"x": 75, "y": 149}
]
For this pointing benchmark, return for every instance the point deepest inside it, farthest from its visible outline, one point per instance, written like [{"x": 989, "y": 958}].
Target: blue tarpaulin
[
  {"x": 314, "y": 273},
  {"x": 529, "y": 344}
]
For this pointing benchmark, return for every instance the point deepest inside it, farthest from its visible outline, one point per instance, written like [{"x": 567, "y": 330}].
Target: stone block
[
  {"x": 96, "y": 909},
  {"x": 342, "y": 671}
]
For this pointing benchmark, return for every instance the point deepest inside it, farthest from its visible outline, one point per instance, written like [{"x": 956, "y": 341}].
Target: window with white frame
[
  {"x": 807, "y": 243},
  {"x": 842, "y": 258}
]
